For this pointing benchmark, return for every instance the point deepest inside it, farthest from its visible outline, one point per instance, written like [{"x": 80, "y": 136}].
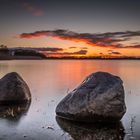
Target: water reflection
[
  {"x": 14, "y": 112},
  {"x": 80, "y": 131},
  {"x": 49, "y": 80}
]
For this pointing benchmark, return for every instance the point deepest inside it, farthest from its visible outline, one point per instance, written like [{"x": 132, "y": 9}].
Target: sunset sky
[{"x": 72, "y": 27}]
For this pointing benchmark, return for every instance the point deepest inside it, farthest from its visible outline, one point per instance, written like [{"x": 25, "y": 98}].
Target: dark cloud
[
  {"x": 121, "y": 34},
  {"x": 72, "y": 47},
  {"x": 126, "y": 47},
  {"x": 101, "y": 53},
  {"x": 81, "y": 52},
  {"x": 109, "y": 39},
  {"x": 131, "y": 34},
  {"x": 131, "y": 46},
  {"x": 85, "y": 48},
  {"x": 113, "y": 52},
  {"x": 110, "y": 50},
  {"x": 49, "y": 49}
]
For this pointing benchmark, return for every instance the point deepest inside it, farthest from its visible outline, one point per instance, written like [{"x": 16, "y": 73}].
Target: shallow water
[{"x": 50, "y": 81}]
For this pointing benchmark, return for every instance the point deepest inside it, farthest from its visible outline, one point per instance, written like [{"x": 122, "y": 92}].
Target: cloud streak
[
  {"x": 49, "y": 49},
  {"x": 110, "y": 39},
  {"x": 114, "y": 52},
  {"x": 76, "y": 53},
  {"x": 72, "y": 47}
]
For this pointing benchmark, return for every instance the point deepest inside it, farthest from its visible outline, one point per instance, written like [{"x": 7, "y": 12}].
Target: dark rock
[
  {"x": 86, "y": 131},
  {"x": 13, "y": 89},
  {"x": 14, "y": 112},
  {"x": 100, "y": 98}
]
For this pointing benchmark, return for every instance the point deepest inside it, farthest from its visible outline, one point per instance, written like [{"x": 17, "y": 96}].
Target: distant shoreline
[
  {"x": 35, "y": 54},
  {"x": 6, "y": 59}
]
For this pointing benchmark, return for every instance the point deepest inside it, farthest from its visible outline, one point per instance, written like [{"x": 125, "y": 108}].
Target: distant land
[{"x": 21, "y": 53}]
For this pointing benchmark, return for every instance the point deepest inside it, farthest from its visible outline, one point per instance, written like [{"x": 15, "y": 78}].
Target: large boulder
[
  {"x": 99, "y": 98},
  {"x": 13, "y": 89}
]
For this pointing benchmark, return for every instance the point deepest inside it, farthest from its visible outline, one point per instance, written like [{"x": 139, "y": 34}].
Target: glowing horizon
[
  {"x": 79, "y": 29},
  {"x": 112, "y": 44}
]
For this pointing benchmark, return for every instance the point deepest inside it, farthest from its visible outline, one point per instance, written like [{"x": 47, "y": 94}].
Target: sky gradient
[{"x": 72, "y": 28}]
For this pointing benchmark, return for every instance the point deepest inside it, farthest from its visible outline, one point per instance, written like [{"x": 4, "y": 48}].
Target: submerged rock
[
  {"x": 13, "y": 89},
  {"x": 89, "y": 131},
  {"x": 100, "y": 98}
]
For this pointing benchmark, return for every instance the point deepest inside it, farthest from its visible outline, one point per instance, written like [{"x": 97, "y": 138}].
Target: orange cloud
[{"x": 109, "y": 40}]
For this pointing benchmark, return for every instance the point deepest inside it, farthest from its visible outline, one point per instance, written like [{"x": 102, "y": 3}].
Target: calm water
[{"x": 49, "y": 82}]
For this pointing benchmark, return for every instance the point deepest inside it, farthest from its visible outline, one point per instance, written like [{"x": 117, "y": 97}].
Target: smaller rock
[
  {"x": 13, "y": 89},
  {"x": 14, "y": 112}
]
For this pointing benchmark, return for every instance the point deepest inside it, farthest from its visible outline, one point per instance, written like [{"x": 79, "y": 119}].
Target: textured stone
[
  {"x": 100, "y": 98},
  {"x": 13, "y": 89}
]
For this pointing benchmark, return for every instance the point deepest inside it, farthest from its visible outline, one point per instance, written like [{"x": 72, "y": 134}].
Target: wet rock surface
[
  {"x": 13, "y": 90},
  {"x": 99, "y": 98},
  {"x": 14, "y": 112}
]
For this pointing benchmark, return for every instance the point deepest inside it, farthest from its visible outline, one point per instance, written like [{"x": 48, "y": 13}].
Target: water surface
[{"x": 50, "y": 81}]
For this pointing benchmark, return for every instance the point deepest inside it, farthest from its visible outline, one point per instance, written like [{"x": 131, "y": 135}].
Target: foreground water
[{"x": 49, "y": 82}]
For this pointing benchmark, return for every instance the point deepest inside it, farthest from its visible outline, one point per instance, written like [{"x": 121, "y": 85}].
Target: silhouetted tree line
[
  {"x": 8, "y": 52},
  {"x": 28, "y": 53},
  {"x": 4, "y": 49}
]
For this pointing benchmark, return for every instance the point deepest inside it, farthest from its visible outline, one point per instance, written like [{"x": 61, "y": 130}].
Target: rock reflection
[
  {"x": 90, "y": 131},
  {"x": 14, "y": 112}
]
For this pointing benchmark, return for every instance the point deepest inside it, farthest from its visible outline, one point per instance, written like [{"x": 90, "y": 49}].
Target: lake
[{"x": 50, "y": 81}]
